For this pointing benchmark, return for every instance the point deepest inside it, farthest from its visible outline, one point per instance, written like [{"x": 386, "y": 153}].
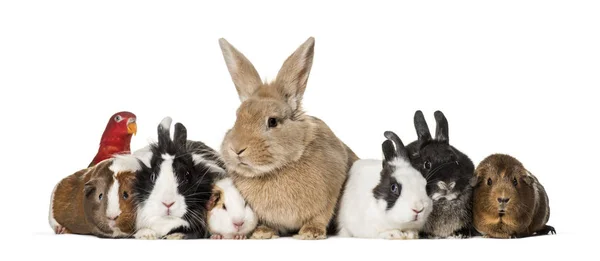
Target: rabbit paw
[
  {"x": 147, "y": 234},
  {"x": 174, "y": 236},
  {"x": 309, "y": 232},
  {"x": 216, "y": 236},
  {"x": 393, "y": 234},
  {"x": 264, "y": 232},
  {"x": 411, "y": 234}
]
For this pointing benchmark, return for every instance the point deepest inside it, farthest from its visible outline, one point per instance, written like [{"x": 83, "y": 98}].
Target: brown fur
[
  {"x": 292, "y": 174},
  {"x": 525, "y": 212},
  {"x": 78, "y": 213},
  {"x": 126, "y": 221}
]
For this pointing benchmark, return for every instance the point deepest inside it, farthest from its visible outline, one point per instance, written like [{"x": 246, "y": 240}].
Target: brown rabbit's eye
[
  {"x": 489, "y": 182},
  {"x": 272, "y": 122},
  {"x": 515, "y": 183},
  {"x": 100, "y": 196},
  {"x": 125, "y": 195},
  {"x": 427, "y": 165}
]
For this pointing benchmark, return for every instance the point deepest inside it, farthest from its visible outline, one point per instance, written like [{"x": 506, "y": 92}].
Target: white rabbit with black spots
[{"x": 384, "y": 199}]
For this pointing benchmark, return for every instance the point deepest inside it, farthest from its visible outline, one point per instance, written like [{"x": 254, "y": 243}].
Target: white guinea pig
[
  {"x": 384, "y": 199},
  {"x": 229, "y": 215}
]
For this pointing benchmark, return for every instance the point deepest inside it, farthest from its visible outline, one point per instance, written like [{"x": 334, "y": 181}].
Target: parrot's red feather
[{"x": 116, "y": 138}]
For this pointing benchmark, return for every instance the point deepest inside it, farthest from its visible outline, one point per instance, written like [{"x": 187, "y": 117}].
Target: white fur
[
  {"x": 152, "y": 214},
  {"x": 220, "y": 221},
  {"x": 112, "y": 208},
  {"x": 51, "y": 220},
  {"x": 199, "y": 159},
  {"x": 166, "y": 123},
  {"x": 361, "y": 215}
]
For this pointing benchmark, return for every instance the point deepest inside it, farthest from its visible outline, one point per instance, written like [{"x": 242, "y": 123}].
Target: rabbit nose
[
  {"x": 113, "y": 218},
  {"x": 418, "y": 211},
  {"x": 168, "y": 205},
  {"x": 503, "y": 200},
  {"x": 241, "y": 151},
  {"x": 238, "y": 224}
]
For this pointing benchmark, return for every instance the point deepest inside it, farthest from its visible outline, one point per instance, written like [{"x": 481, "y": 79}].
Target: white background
[{"x": 513, "y": 77}]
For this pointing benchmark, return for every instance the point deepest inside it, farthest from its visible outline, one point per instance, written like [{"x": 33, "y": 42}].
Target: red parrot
[{"x": 116, "y": 138}]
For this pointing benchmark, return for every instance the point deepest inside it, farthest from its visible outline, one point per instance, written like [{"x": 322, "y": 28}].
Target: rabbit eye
[
  {"x": 125, "y": 195},
  {"x": 224, "y": 207},
  {"x": 395, "y": 188},
  {"x": 489, "y": 182},
  {"x": 515, "y": 183},
  {"x": 427, "y": 165},
  {"x": 118, "y": 118},
  {"x": 272, "y": 122},
  {"x": 100, "y": 196},
  {"x": 153, "y": 177}
]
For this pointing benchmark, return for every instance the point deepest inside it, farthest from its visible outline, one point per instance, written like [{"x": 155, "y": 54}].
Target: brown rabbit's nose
[
  {"x": 503, "y": 200},
  {"x": 241, "y": 151},
  {"x": 238, "y": 224},
  {"x": 168, "y": 205}
]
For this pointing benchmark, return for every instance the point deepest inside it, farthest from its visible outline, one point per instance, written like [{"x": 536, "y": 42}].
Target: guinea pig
[
  {"x": 229, "y": 215},
  {"x": 95, "y": 201},
  {"x": 509, "y": 201}
]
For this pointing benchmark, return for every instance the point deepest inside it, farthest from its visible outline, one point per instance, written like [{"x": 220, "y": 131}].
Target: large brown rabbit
[{"x": 289, "y": 166}]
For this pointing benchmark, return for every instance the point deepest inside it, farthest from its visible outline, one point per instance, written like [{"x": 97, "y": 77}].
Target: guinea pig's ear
[
  {"x": 529, "y": 178},
  {"x": 180, "y": 136},
  {"x": 89, "y": 188},
  {"x": 421, "y": 127},
  {"x": 393, "y": 147},
  {"x": 474, "y": 181},
  {"x": 214, "y": 198},
  {"x": 164, "y": 132},
  {"x": 441, "y": 131}
]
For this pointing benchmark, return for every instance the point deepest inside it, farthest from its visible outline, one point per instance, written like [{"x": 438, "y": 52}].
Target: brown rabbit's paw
[
  {"x": 264, "y": 233},
  {"x": 311, "y": 233},
  {"x": 174, "y": 236}
]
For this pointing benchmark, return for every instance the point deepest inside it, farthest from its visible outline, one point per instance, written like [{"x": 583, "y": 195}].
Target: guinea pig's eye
[
  {"x": 489, "y": 182},
  {"x": 118, "y": 118},
  {"x": 427, "y": 165},
  {"x": 272, "y": 122},
  {"x": 515, "y": 183},
  {"x": 125, "y": 195},
  {"x": 100, "y": 196}
]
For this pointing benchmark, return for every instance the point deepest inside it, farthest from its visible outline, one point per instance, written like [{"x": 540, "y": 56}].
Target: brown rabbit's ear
[
  {"x": 245, "y": 77},
  {"x": 293, "y": 75}
]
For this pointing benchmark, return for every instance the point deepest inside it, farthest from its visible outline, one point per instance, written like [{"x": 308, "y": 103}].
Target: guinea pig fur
[
  {"x": 229, "y": 215},
  {"x": 95, "y": 201},
  {"x": 509, "y": 201},
  {"x": 384, "y": 199}
]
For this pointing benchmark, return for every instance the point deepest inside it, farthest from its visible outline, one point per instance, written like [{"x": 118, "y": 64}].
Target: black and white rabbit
[
  {"x": 174, "y": 185},
  {"x": 448, "y": 172},
  {"x": 384, "y": 199}
]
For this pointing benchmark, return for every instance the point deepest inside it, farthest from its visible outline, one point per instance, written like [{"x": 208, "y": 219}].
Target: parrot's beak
[{"x": 132, "y": 128}]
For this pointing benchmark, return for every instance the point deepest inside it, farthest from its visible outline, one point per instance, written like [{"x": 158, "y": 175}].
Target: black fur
[
  {"x": 438, "y": 161},
  {"x": 392, "y": 148},
  {"x": 195, "y": 181}
]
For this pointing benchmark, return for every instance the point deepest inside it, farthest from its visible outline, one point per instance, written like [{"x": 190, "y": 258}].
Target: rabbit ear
[
  {"x": 399, "y": 151},
  {"x": 293, "y": 75},
  {"x": 389, "y": 152},
  {"x": 164, "y": 132},
  {"x": 245, "y": 77},
  {"x": 441, "y": 131},
  {"x": 421, "y": 127},
  {"x": 180, "y": 136}
]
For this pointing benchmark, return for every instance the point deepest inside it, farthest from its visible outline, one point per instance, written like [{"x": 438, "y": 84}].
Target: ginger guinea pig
[
  {"x": 96, "y": 201},
  {"x": 229, "y": 215},
  {"x": 509, "y": 201}
]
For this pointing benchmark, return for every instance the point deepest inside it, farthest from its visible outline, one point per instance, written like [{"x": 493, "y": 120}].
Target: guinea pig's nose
[
  {"x": 113, "y": 218},
  {"x": 503, "y": 200},
  {"x": 238, "y": 224}
]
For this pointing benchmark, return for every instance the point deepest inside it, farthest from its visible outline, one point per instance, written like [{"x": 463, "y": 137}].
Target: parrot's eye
[{"x": 118, "y": 118}]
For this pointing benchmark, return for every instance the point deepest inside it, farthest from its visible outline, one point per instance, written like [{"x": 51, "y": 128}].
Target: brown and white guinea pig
[
  {"x": 96, "y": 201},
  {"x": 229, "y": 216},
  {"x": 509, "y": 201}
]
